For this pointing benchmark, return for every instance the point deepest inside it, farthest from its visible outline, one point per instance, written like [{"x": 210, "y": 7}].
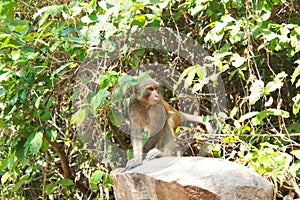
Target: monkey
[{"x": 148, "y": 109}]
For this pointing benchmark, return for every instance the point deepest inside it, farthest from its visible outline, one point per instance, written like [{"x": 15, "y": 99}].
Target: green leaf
[
  {"x": 277, "y": 1},
  {"x": 201, "y": 73},
  {"x": 237, "y": 3},
  {"x": 45, "y": 145},
  {"x": 197, "y": 87},
  {"x": 62, "y": 67},
  {"x": 104, "y": 81},
  {"x": 116, "y": 116},
  {"x": 21, "y": 182},
  {"x": 139, "y": 19},
  {"x": 65, "y": 182},
  {"x": 269, "y": 102},
  {"x": 296, "y": 106},
  {"x": 15, "y": 55},
  {"x": 50, "y": 188},
  {"x": 265, "y": 113},
  {"x": 234, "y": 111},
  {"x": 269, "y": 36},
  {"x": 36, "y": 142},
  {"x": 280, "y": 76},
  {"x": 86, "y": 19},
  {"x": 98, "y": 99},
  {"x": 298, "y": 83},
  {"x": 139, "y": 52},
  {"x": 46, "y": 115},
  {"x": 224, "y": 51},
  {"x": 129, "y": 80},
  {"x": 96, "y": 177},
  {"x": 89, "y": 5},
  {"x": 20, "y": 26}
]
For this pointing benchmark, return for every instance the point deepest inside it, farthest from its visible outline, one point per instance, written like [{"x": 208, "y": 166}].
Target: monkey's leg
[
  {"x": 154, "y": 153},
  {"x": 166, "y": 144},
  {"x": 152, "y": 142}
]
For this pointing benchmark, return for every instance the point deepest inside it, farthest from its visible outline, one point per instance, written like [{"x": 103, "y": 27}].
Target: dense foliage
[{"x": 43, "y": 44}]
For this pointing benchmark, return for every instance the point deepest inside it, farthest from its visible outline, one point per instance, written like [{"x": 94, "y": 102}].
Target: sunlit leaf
[
  {"x": 296, "y": 106},
  {"x": 78, "y": 117},
  {"x": 5, "y": 76},
  {"x": 257, "y": 91},
  {"x": 265, "y": 14},
  {"x": 237, "y": 60},
  {"x": 190, "y": 78},
  {"x": 269, "y": 102},
  {"x": 190, "y": 73},
  {"x": 272, "y": 86},
  {"x": 296, "y": 153},
  {"x": 37, "y": 102},
  {"x": 296, "y": 73},
  {"x": 269, "y": 36},
  {"x": 278, "y": 112},
  {"x": 276, "y": 84},
  {"x": 46, "y": 11},
  {"x": 248, "y": 116},
  {"x": 5, "y": 177},
  {"x": 197, "y": 87}
]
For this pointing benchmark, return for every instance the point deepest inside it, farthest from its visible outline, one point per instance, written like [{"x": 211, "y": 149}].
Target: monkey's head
[{"x": 147, "y": 91}]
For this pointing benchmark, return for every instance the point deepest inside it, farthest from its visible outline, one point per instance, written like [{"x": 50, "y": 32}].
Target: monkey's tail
[
  {"x": 198, "y": 119},
  {"x": 191, "y": 118}
]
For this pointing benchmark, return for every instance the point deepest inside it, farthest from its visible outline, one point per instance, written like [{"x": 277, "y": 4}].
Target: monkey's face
[
  {"x": 147, "y": 92},
  {"x": 151, "y": 93}
]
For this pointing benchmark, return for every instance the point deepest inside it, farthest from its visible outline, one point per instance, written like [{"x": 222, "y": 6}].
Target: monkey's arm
[{"x": 137, "y": 144}]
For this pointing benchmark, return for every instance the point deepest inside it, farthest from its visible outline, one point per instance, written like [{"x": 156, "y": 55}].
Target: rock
[{"x": 195, "y": 178}]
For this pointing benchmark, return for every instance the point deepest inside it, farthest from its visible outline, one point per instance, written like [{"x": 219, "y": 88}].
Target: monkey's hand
[
  {"x": 132, "y": 163},
  {"x": 154, "y": 153}
]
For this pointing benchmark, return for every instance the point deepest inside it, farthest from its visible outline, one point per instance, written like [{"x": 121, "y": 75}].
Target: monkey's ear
[{"x": 137, "y": 90}]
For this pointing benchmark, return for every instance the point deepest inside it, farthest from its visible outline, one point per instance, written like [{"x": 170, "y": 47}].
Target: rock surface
[{"x": 195, "y": 178}]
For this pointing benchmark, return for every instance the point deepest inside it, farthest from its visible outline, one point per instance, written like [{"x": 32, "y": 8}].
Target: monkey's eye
[{"x": 152, "y": 88}]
